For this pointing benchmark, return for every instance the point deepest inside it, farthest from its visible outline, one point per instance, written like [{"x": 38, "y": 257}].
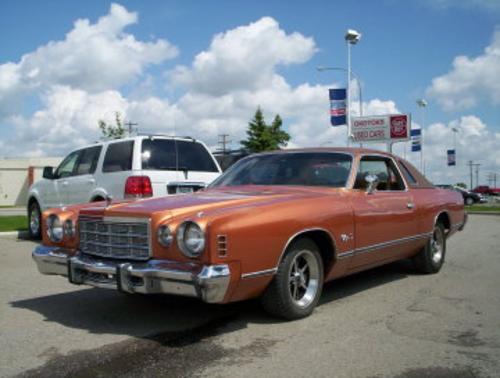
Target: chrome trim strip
[
  {"x": 346, "y": 254},
  {"x": 260, "y": 273},
  {"x": 390, "y": 243}
]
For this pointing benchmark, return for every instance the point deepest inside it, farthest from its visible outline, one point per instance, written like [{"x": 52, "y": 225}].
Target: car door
[
  {"x": 62, "y": 176},
  {"x": 385, "y": 219},
  {"x": 82, "y": 183}
]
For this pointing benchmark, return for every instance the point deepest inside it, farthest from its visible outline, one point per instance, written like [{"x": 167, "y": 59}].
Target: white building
[{"x": 16, "y": 176}]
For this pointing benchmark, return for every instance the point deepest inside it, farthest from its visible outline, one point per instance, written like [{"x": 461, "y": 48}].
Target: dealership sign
[{"x": 383, "y": 128}]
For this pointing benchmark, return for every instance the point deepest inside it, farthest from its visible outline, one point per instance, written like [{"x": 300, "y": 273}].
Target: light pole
[
  {"x": 321, "y": 69},
  {"x": 351, "y": 37},
  {"x": 422, "y": 104}
]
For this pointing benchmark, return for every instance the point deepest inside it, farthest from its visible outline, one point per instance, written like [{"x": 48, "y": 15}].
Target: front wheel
[
  {"x": 34, "y": 220},
  {"x": 296, "y": 287},
  {"x": 431, "y": 258}
]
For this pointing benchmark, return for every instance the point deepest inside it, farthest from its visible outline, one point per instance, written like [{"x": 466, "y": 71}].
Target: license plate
[{"x": 184, "y": 189}]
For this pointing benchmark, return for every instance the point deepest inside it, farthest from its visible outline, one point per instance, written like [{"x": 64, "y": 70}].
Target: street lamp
[
  {"x": 352, "y": 37},
  {"x": 322, "y": 68},
  {"x": 422, "y": 104}
]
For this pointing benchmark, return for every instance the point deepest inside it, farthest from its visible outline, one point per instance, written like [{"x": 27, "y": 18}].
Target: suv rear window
[
  {"x": 118, "y": 157},
  {"x": 159, "y": 154}
]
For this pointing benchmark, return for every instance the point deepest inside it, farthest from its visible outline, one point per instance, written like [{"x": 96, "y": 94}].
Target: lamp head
[{"x": 352, "y": 36}]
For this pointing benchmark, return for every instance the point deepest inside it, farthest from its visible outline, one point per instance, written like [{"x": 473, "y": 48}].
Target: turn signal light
[{"x": 138, "y": 187}]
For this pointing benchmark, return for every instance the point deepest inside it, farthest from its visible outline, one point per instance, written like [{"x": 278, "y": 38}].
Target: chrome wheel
[
  {"x": 34, "y": 220},
  {"x": 437, "y": 246},
  {"x": 304, "y": 278}
]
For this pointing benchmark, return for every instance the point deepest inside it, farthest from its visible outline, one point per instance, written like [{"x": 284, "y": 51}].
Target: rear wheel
[
  {"x": 34, "y": 220},
  {"x": 469, "y": 201},
  {"x": 296, "y": 287},
  {"x": 431, "y": 258}
]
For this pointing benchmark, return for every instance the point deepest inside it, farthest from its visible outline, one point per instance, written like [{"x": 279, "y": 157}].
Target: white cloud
[
  {"x": 489, "y": 5},
  {"x": 244, "y": 58},
  {"x": 470, "y": 80},
  {"x": 94, "y": 57}
]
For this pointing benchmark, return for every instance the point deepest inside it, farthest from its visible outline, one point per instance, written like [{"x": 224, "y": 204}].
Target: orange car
[{"x": 276, "y": 225}]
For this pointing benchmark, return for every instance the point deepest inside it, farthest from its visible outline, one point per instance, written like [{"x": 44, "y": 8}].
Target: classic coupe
[{"x": 275, "y": 225}]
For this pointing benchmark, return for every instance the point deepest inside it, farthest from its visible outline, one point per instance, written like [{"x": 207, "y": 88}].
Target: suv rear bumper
[{"x": 206, "y": 282}]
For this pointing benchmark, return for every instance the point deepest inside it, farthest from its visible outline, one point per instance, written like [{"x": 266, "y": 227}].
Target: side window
[
  {"x": 67, "y": 167},
  {"x": 406, "y": 172},
  {"x": 383, "y": 168},
  {"x": 88, "y": 160},
  {"x": 118, "y": 157}
]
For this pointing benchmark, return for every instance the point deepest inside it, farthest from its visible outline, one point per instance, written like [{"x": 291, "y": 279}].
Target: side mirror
[
  {"x": 48, "y": 173},
  {"x": 372, "y": 181}
]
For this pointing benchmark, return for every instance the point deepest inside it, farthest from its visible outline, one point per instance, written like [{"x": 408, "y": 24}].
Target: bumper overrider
[{"x": 206, "y": 282}]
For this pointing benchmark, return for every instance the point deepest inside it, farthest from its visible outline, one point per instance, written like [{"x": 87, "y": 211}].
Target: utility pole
[
  {"x": 477, "y": 173},
  {"x": 223, "y": 141},
  {"x": 470, "y": 164},
  {"x": 130, "y": 124}
]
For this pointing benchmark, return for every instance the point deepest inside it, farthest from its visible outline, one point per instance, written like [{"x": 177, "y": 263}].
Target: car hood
[{"x": 207, "y": 201}]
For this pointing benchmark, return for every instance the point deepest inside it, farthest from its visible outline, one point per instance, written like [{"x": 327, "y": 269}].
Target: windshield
[
  {"x": 299, "y": 168},
  {"x": 159, "y": 154}
]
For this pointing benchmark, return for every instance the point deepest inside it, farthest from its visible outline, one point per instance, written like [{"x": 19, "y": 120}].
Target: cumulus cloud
[
  {"x": 244, "y": 58},
  {"x": 470, "y": 80},
  {"x": 93, "y": 57}
]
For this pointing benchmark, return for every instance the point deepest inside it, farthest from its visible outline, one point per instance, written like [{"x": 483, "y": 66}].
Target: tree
[
  {"x": 263, "y": 137},
  {"x": 111, "y": 131},
  {"x": 461, "y": 185}
]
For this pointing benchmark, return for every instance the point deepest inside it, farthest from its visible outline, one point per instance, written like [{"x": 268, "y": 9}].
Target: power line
[{"x": 130, "y": 124}]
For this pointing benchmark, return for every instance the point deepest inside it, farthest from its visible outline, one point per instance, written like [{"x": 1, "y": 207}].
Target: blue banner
[
  {"x": 416, "y": 140},
  {"x": 338, "y": 106},
  {"x": 451, "y": 157}
]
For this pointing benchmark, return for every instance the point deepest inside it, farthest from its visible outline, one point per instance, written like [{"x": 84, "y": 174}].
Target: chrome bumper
[{"x": 207, "y": 282}]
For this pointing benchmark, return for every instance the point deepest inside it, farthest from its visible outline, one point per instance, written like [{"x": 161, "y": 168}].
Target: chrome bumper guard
[{"x": 207, "y": 282}]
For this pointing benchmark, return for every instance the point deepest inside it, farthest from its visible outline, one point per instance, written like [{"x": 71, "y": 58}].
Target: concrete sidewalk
[{"x": 9, "y": 211}]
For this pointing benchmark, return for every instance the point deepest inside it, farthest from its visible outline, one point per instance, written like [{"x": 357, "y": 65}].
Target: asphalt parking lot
[{"x": 387, "y": 322}]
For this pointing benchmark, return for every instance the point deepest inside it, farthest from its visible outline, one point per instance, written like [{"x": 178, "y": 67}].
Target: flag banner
[
  {"x": 416, "y": 140},
  {"x": 451, "y": 157},
  {"x": 338, "y": 106}
]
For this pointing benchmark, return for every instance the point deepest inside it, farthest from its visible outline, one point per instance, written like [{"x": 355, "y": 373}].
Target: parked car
[
  {"x": 275, "y": 225},
  {"x": 135, "y": 167},
  {"x": 469, "y": 197},
  {"x": 486, "y": 190}
]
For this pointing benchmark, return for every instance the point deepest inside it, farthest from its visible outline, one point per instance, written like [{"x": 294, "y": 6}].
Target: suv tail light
[{"x": 138, "y": 187}]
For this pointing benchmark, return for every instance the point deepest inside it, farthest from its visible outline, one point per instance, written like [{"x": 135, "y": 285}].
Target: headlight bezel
[
  {"x": 187, "y": 248},
  {"x": 69, "y": 228},
  {"x": 55, "y": 228}
]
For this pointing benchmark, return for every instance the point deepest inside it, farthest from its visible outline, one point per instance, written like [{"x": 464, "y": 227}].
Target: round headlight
[
  {"x": 165, "y": 236},
  {"x": 191, "y": 239},
  {"x": 54, "y": 228},
  {"x": 69, "y": 228}
]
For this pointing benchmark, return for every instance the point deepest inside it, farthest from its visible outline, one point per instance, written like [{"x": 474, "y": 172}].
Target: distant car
[
  {"x": 487, "y": 190},
  {"x": 275, "y": 225},
  {"x": 134, "y": 167},
  {"x": 469, "y": 197}
]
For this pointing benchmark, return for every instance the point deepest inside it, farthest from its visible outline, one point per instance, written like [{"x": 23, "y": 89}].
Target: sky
[{"x": 202, "y": 69}]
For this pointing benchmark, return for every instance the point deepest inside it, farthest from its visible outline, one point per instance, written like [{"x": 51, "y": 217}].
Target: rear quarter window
[
  {"x": 407, "y": 174},
  {"x": 118, "y": 157},
  {"x": 160, "y": 154}
]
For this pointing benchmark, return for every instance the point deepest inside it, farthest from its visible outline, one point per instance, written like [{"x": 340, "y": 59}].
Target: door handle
[{"x": 410, "y": 205}]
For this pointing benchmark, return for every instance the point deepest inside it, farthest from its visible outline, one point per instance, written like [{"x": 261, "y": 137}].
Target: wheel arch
[
  {"x": 323, "y": 239},
  {"x": 443, "y": 217}
]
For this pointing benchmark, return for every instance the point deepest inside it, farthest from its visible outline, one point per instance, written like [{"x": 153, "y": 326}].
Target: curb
[
  {"x": 483, "y": 213},
  {"x": 19, "y": 234}
]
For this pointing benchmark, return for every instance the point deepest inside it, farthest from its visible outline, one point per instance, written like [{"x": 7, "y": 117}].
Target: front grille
[{"x": 115, "y": 238}]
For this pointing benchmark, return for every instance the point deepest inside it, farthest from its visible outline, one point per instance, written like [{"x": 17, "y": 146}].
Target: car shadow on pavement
[{"x": 107, "y": 311}]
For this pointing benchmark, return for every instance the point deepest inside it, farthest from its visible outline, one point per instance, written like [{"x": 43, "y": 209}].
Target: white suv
[{"x": 137, "y": 167}]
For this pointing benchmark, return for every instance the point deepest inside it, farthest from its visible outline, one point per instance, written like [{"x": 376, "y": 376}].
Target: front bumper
[{"x": 206, "y": 282}]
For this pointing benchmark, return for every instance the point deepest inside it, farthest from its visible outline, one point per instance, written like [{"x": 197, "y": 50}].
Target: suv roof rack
[{"x": 165, "y": 135}]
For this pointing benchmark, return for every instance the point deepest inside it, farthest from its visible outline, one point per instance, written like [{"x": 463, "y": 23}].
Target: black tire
[
  {"x": 34, "y": 220},
  {"x": 292, "y": 278},
  {"x": 469, "y": 201},
  {"x": 431, "y": 258}
]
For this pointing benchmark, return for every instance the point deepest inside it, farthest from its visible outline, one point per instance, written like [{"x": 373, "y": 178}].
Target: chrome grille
[{"x": 118, "y": 238}]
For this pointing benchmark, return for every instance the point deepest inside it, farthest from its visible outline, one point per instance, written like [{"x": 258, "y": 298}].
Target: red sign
[{"x": 399, "y": 126}]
